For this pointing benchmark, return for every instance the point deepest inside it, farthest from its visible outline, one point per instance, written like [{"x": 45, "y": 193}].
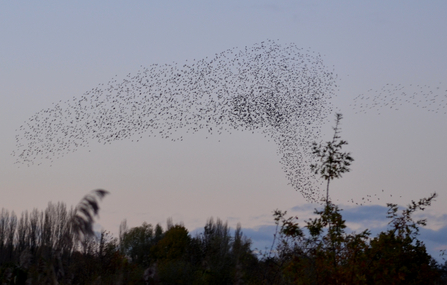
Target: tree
[
  {"x": 173, "y": 245},
  {"x": 329, "y": 255},
  {"x": 137, "y": 242},
  {"x": 171, "y": 264},
  {"x": 397, "y": 256},
  {"x": 332, "y": 162}
]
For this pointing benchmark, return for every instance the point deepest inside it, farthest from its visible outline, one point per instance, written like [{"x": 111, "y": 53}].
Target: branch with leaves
[{"x": 332, "y": 162}]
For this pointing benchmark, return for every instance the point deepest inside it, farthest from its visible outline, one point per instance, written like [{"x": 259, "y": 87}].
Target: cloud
[
  {"x": 437, "y": 236},
  {"x": 310, "y": 207},
  {"x": 365, "y": 214},
  {"x": 435, "y": 241},
  {"x": 261, "y": 234},
  {"x": 261, "y": 237}
]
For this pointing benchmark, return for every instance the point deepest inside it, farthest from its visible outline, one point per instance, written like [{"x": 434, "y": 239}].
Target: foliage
[
  {"x": 323, "y": 253},
  {"x": 173, "y": 245},
  {"x": 332, "y": 162},
  {"x": 213, "y": 257},
  {"x": 319, "y": 252},
  {"x": 137, "y": 242},
  {"x": 328, "y": 255}
]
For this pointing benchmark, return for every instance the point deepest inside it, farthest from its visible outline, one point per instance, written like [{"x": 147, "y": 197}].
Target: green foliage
[
  {"x": 213, "y": 257},
  {"x": 323, "y": 253},
  {"x": 332, "y": 162},
  {"x": 174, "y": 257},
  {"x": 403, "y": 225},
  {"x": 400, "y": 247},
  {"x": 328, "y": 255},
  {"x": 173, "y": 245},
  {"x": 137, "y": 242}
]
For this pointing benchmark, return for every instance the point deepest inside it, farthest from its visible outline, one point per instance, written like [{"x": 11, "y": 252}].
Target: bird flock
[
  {"x": 396, "y": 96},
  {"x": 281, "y": 91}
]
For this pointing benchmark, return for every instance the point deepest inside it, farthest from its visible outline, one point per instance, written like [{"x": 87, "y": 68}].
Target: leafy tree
[
  {"x": 172, "y": 265},
  {"x": 397, "y": 256},
  {"x": 173, "y": 245},
  {"x": 329, "y": 255},
  {"x": 216, "y": 243},
  {"x": 223, "y": 258},
  {"x": 332, "y": 162},
  {"x": 137, "y": 242}
]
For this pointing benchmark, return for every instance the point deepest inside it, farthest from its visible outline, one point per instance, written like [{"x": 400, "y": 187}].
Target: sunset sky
[{"x": 52, "y": 51}]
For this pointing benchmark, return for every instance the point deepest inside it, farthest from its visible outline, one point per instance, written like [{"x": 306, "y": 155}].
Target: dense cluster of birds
[
  {"x": 395, "y": 96},
  {"x": 280, "y": 91}
]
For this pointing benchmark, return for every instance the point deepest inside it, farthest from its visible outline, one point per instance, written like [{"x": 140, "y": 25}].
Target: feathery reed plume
[{"x": 86, "y": 210}]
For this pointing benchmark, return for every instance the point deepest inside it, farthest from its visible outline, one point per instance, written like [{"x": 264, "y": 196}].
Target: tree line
[{"x": 45, "y": 247}]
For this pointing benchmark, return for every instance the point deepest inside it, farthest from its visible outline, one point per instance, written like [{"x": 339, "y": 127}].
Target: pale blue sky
[{"x": 56, "y": 50}]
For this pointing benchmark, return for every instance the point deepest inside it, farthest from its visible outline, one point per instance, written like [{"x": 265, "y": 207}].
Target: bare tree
[
  {"x": 22, "y": 233},
  {"x": 11, "y": 230},
  {"x": 34, "y": 231}
]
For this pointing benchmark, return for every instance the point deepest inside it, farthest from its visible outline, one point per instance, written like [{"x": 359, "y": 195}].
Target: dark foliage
[{"x": 42, "y": 248}]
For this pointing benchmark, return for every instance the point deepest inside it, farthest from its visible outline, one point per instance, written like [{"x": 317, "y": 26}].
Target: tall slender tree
[{"x": 332, "y": 162}]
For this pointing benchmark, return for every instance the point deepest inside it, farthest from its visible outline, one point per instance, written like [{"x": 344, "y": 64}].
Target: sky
[{"x": 391, "y": 67}]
